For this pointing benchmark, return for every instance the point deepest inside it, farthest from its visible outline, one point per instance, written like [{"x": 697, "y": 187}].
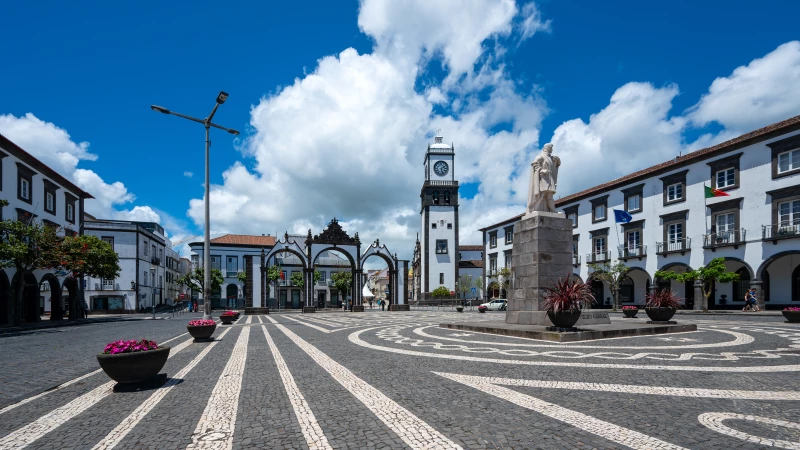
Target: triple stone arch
[{"x": 335, "y": 239}]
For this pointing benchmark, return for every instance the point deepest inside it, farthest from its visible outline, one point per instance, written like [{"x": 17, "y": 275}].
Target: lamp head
[
  {"x": 222, "y": 97},
  {"x": 233, "y": 132},
  {"x": 153, "y": 270},
  {"x": 160, "y": 109}
]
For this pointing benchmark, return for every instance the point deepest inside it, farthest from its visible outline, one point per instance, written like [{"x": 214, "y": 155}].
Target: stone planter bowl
[
  {"x": 226, "y": 320},
  {"x": 630, "y": 313},
  {"x": 133, "y": 367},
  {"x": 564, "y": 319},
  {"x": 460, "y": 308},
  {"x": 201, "y": 332},
  {"x": 792, "y": 316},
  {"x": 482, "y": 309},
  {"x": 660, "y": 314}
]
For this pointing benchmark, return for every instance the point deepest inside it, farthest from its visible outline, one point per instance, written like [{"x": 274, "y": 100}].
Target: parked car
[{"x": 496, "y": 305}]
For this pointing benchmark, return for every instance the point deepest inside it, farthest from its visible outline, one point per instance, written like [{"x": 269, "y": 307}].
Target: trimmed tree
[
  {"x": 465, "y": 284},
  {"x": 709, "y": 274},
  {"x": 88, "y": 255},
  {"x": 195, "y": 280},
  {"x": 612, "y": 275},
  {"x": 503, "y": 279},
  {"x": 342, "y": 282},
  {"x": 441, "y": 292}
]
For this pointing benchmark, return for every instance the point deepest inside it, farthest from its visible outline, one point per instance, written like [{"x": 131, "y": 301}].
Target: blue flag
[{"x": 622, "y": 216}]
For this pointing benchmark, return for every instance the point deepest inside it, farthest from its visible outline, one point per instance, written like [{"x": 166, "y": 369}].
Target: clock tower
[{"x": 439, "y": 211}]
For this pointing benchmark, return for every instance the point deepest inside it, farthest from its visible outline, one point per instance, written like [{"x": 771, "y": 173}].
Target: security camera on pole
[{"x": 207, "y": 242}]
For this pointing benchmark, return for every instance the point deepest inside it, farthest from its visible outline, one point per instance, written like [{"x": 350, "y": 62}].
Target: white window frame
[
  {"x": 493, "y": 240},
  {"x": 492, "y": 265},
  {"x": 25, "y": 188},
  {"x": 791, "y": 155},
  {"x": 599, "y": 249},
  {"x": 674, "y": 235},
  {"x": 637, "y": 240},
  {"x": 791, "y": 213},
  {"x": 574, "y": 219},
  {"x": 50, "y": 201},
  {"x": 728, "y": 226},
  {"x": 675, "y": 192},
  {"x": 729, "y": 173},
  {"x": 600, "y": 208},
  {"x": 70, "y": 212},
  {"x": 638, "y": 202},
  {"x": 440, "y": 251}
]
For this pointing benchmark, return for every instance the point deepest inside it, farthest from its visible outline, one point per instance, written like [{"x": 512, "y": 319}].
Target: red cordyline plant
[
  {"x": 663, "y": 298},
  {"x": 568, "y": 295},
  {"x": 792, "y": 308},
  {"x": 228, "y": 313},
  {"x": 131, "y": 346},
  {"x": 629, "y": 307},
  {"x": 201, "y": 323}
]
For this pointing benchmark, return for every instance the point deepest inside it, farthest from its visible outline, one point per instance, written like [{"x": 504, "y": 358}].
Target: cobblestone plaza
[{"x": 398, "y": 380}]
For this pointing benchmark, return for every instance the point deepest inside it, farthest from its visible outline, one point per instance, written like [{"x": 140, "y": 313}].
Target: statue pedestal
[{"x": 542, "y": 254}]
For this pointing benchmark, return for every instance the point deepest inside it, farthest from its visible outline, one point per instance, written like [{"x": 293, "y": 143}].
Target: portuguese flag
[{"x": 711, "y": 192}]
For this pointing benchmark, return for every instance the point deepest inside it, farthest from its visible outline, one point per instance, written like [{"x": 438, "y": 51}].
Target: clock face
[{"x": 440, "y": 168}]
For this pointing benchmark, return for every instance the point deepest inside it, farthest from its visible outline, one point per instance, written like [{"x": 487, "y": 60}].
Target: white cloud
[
  {"x": 54, "y": 147},
  {"x": 532, "y": 22},
  {"x": 348, "y": 138},
  {"x": 765, "y": 91},
  {"x": 188, "y": 174},
  {"x": 636, "y": 130}
]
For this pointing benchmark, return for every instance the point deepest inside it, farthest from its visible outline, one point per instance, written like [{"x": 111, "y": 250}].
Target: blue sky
[{"x": 93, "y": 70}]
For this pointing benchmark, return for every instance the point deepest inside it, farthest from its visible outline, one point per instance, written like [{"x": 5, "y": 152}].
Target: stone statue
[{"x": 544, "y": 178}]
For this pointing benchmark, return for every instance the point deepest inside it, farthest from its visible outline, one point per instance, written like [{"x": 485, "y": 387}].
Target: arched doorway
[
  {"x": 598, "y": 292},
  {"x": 31, "y": 311},
  {"x": 5, "y": 298},
  {"x": 626, "y": 290},
  {"x": 742, "y": 285},
  {"x": 796, "y": 284},
  {"x": 778, "y": 275},
  {"x": 329, "y": 263},
  {"x": 684, "y": 290},
  {"x": 231, "y": 295},
  {"x": 50, "y": 287}
]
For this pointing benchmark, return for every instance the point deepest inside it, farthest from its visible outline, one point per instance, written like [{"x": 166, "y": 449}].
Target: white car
[{"x": 495, "y": 305}]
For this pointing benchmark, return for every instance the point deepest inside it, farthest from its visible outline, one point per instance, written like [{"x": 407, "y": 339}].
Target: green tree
[
  {"x": 88, "y": 255},
  {"x": 709, "y": 274},
  {"x": 195, "y": 280},
  {"x": 465, "y": 283},
  {"x": 25, "y": 247},
  {"x": 242, "y": 277},
  {"x": 503, "y": 277},
  {"x": 342, "y": 282},
  {"x": 297, "y": 279},
  {"x": 441, "y": 292},
  {"x": 612, "y": 275}
]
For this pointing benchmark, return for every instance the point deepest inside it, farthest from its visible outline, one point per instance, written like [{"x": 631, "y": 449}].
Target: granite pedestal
[{"x": 542, "y": 254}]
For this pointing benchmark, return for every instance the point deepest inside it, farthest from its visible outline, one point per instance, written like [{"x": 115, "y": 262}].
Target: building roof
[
  {"x": 242, "y": 240},
  {"x": 470, "y": 248},
  {"x": 45, "y": 170},
  {"x": 761, "y": 134},
  {"x": 471, "y": 264}
]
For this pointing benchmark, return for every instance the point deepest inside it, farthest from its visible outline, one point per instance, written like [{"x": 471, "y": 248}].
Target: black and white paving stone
[{"x": 396, "y": 380}]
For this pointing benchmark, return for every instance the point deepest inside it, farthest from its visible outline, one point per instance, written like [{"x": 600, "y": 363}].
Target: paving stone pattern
[{"x": 397, "y": 380}]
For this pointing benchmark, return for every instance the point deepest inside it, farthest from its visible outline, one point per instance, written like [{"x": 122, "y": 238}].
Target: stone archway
[
  {"x": 56, "y": 305},
  {"x": 71, "y": 302},
  {"x": 333, "y": 237},
  {"x": 396, "y": 289},
  {"x": 28, "y": 310},
  {"x": 5, "y": 298}
]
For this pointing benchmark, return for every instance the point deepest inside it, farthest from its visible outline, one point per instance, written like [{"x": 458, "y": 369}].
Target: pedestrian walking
[
  {"x": 85, "y": 309},
  {"x": 383, "y": 304},
  {"x": 751, "y": 302}
]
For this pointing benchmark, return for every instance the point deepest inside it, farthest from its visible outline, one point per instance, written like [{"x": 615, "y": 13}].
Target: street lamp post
[
  {"x": 153, "y": 288},
  {"x": 207, "y": 242}
]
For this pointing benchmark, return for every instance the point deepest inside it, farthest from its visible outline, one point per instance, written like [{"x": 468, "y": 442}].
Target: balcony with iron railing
[
  {"x": 783, "y": 230},
  {"x": 598, "y": 257},
  {"x": 231, "y": 274},
  {"x": 675, "y": 246},
  {"x": 440, "y": 183},
  {"x": 732, "y": 238},
  {"x": 576, "y": 260},
  {"x": 626, "y": 252}
]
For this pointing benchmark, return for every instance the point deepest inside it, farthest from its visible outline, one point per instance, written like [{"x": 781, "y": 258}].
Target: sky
[{"x": 337, "y": 101}]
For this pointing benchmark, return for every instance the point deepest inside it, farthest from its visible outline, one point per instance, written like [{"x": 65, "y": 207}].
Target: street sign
[{"x": 474, "y": 290}]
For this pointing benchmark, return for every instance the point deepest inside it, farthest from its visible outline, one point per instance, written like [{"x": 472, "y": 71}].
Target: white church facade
[{"x": 755, "y": 227}]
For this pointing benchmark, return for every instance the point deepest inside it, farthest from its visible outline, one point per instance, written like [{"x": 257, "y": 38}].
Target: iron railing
[
  {"x": 678, "y": 245},
  {"x": 631, "y": 251},
  {"x": 783, "y": 230},
  {"x": 723, "y": 238},
  {"x": 597, "y": 257}
]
